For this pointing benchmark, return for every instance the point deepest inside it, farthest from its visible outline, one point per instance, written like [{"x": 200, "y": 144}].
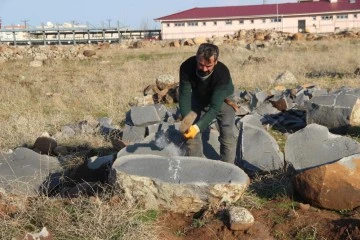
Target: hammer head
[{"x": 187, "y": 121}]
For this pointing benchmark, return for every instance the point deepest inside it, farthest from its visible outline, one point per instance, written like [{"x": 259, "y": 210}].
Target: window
[
  {"x": 192, "y": 24},
  {"x": 179, "y": 24},
  {"x": 327, "y": 17},
  {"x": 274, "y": 20},
  {"x": 168, "y": 24},
  {"x": 355, "y": 15},
  {"x": 215, "y": 23},
  {"x": 264, "y": 20},
  {"x": 344, "y": 16},
  {"x": 252, "y": 21},
  {"x": 204, "y": 23},
  {"x": 241, "y": 21},
  {"x": 314, "y": 18},
  {"x": 228, "y": 22}
]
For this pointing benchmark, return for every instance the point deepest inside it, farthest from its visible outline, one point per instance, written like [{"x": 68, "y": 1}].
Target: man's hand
[{"x": 192, "y": 132}]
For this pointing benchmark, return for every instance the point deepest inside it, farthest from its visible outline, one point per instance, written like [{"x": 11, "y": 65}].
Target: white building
[
  {"x": 15, "y": 31},
  {"x": 315, "y": 16}
]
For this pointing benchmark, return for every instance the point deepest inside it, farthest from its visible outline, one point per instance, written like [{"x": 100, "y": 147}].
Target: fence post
[
  {"x": 14, "y": 35},
  {"x": 58, "y": 34}
]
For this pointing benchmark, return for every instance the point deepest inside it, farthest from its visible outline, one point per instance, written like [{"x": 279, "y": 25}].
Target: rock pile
[
  {"x": 246, "y": 39},
  {"x": 311, "y": 151}
]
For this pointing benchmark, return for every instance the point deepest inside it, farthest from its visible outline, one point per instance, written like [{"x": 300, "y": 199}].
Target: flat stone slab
[
  {"x": 257, "y": 150},
  {"x": 314, "y": 146},
  {"x": 144, "y": 115},
  {"x": 170, "y": 142},
  {"x": 337, "y": 111},
  {"x": 180, "y": 184},
  {"x": 24, "y": 170}
]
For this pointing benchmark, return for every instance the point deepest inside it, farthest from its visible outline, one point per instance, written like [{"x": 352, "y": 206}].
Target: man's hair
[{"x": 207, "y": 50}]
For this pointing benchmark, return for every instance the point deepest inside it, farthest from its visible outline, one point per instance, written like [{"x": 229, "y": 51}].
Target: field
[{"x": 65, "y": 91}]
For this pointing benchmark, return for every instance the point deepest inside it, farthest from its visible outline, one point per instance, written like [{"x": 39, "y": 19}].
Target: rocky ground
[
  {"x": 279, "y": 213},
  {"x": 277, "y": 219},
  {"x": 284, "y": 216}
]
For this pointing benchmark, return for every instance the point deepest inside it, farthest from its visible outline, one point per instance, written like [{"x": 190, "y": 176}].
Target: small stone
[
  {"x": 45, "y": 145},
  {"x": 118, "y": 144},
  {"x": 44, "y": 234},
  {"x": 68, "y": 131},
  {"x": 285, "y": 78},
  {"x": 240, "y": 219},
  {"x": 165, "y": 80},
  {"x": 36, "y": 63},
  {"x": 304, "y": 206},
  {"x": 89, "y": 53}
]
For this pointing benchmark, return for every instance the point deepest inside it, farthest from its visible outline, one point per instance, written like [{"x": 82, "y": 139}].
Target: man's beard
[{"x": 203, "y": 75}]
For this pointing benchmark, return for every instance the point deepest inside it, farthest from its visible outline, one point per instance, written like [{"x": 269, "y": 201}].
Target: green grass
[
  {"x": 149, "y": 216},
  {"x": 307, "y": 233},
  {"x": 279, "y": 137}
]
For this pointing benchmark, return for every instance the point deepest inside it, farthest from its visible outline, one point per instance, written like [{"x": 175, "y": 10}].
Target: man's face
[{"x": 204, "y": 66}]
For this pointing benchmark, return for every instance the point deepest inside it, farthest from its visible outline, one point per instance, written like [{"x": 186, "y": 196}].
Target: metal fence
[{"x": 72, "y": 35}]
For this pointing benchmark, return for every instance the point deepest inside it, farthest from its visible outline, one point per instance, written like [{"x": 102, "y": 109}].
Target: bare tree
[{"x": 145, "y": 25}]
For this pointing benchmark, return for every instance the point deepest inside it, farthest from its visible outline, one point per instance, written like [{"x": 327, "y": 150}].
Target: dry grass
[
  {"x": 34, "y": 100},
  {"x": 81, "y": 218}
]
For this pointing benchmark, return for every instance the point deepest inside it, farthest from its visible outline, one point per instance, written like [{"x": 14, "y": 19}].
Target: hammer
[{"x": 187, "y": 121}]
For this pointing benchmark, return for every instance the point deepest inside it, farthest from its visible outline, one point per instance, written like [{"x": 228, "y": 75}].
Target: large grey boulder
[
  {"x": 314, "y": 146},
  {"x": 257, "y": 149},
  {"x": 179, "y": 184},
  {"x": 24, "y": 171},
  {"x": 337, "y": 111}
]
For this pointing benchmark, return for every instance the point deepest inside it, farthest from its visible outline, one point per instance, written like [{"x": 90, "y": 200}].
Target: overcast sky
[{"x": 132, "y": 14}]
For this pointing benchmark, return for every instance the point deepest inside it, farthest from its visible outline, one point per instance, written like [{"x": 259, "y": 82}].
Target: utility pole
[
  {"x": 25, "y": 23},
  {"x": 109, "y": 21},
  {"x": 277, "y": 15}
]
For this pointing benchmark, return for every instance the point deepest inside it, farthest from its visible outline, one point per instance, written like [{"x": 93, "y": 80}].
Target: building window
[
  {"x": 192, "y": 24},
  {"x": 327, "y": 17},
  {"x": 344, "y": 16},
  {"x": 179, "y": 24},
  {"x": 215, "y": 23},
  {"x": 241, "y": 21},
  {"x": 228, "y": 22},
  {"x": 252, "y": 21},
  {"x": 355, "y": 15},
  {"x": 168, "y": 24},
  {"x": 314, "y": 18},
  {"x": 204, "y": 23},
  {"x": 264, "y": 20},
  {"x": 274, "y": 20}
]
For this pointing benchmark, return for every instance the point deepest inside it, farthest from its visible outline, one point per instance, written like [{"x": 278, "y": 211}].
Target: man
[{"x": 205, "y": 85}]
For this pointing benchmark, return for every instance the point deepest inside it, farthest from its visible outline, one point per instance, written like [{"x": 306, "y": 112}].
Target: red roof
[{"x": 323, "y": 6}]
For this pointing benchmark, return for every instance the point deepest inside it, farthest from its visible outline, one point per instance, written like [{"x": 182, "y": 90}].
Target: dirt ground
[{"x": 275, "y": 220}]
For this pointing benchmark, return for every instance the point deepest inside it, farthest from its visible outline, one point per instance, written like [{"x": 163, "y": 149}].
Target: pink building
[{"x": 314, "y": 16}]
